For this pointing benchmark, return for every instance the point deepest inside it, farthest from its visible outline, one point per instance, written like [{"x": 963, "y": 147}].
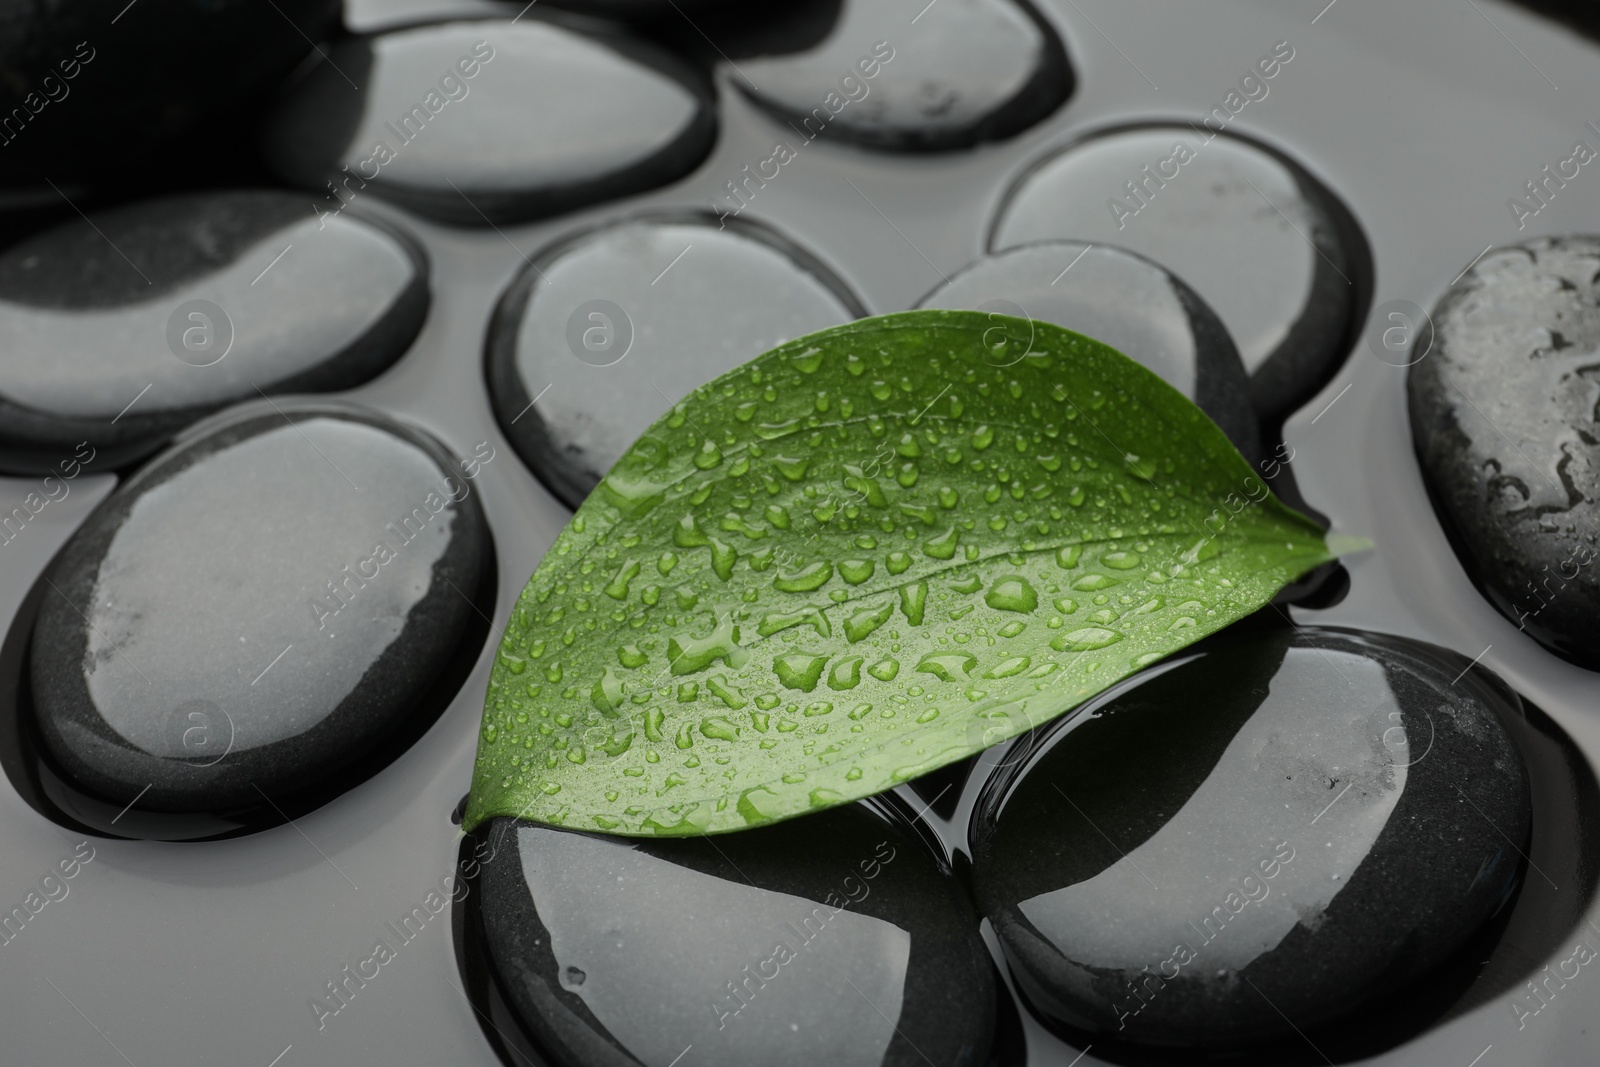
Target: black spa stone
[
  {"x": 831, "y": 939},
  {"x": 480, "y": 122},
  {"x": 1127, "y": 302},
  {"x": 121, "y": 331},
  {"x": 259, "y": 611},
  {"x": 605, "y": 330},
  {"x": 96, "y": 90},
  {"x": 1503, "y": 420},
  {"x": 959, "y": 73},
  {"x": 1267, "y": 246},
  {"x": 645, "y": 10},
  {"x": 1277, "y": 832}
]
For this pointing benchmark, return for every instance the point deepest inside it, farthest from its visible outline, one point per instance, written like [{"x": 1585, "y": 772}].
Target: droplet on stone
[{"x": 1120, "y": 299}]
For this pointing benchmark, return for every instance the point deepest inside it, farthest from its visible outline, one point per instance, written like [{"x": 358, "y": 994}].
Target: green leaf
[{"x": 865, "y": 554}]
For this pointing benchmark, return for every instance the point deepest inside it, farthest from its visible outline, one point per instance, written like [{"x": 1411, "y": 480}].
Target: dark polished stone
[
  {"x": 488, "y": 121},
  {"x": 1503, "y": 419},
  {"x": 123, "y": 330},
  {"x": 1125, "y": 301},
  {"x": 1278, "y": 831},
  {"x": 605, "y": 330},
  {"x": 1266, "y": 245},
  {"x": 90, "y": 87},
  {"x": 1578, "y": 14},
  {"x": 643, "y": 10},
  {"x": 831, "y": 939},
  {"x": 960, "y": 73},
  {"x": 258, "y": 611}
]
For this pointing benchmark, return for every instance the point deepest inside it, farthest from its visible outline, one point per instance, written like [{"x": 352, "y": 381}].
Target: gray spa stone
[
  {"x": 101, "y": 92},
  {"x": 480, "y": 122},
  {"x": 831, "y": 939},
  {"x": 959, "y": 73},
  {"x": 1261, "y": 240},
  {"x": 258, "y": 611},
  {"x": 1273, "y": 832},
  {"x": 1125, "y": 301},
  {"x": 122, "y": 331},
  {"x": 1503, "y": 420},
  {"x": 605, "y": 330}
]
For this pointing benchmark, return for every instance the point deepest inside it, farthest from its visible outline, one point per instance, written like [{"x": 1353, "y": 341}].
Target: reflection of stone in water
[
  {"x": 1266, "y": 786},
  {"x": 714, "y": 969}
]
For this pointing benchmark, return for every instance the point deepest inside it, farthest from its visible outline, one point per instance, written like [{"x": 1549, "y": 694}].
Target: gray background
[{"x": 1424, "y": 117}]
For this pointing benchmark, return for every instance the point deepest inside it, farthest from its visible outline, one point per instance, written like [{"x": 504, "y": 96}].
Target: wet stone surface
[
  {"x": 831, "y": 939},
  {"x": 1282, "y": 826},
  {"x": 1516, "y": 358},
  {"x": 610, "y": 328},
  {"x": 258, "y": 611},
  {"x": 1125, "y": 301},
  {"x": 479, "y": 122},
  {"x": 1261, "y": 240},
  {"x": 960, "y": 73},
  {"x": 179, "y": 306}
]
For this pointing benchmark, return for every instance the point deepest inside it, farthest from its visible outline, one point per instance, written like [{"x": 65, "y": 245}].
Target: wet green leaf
[{"x": 865, "y": 554}]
